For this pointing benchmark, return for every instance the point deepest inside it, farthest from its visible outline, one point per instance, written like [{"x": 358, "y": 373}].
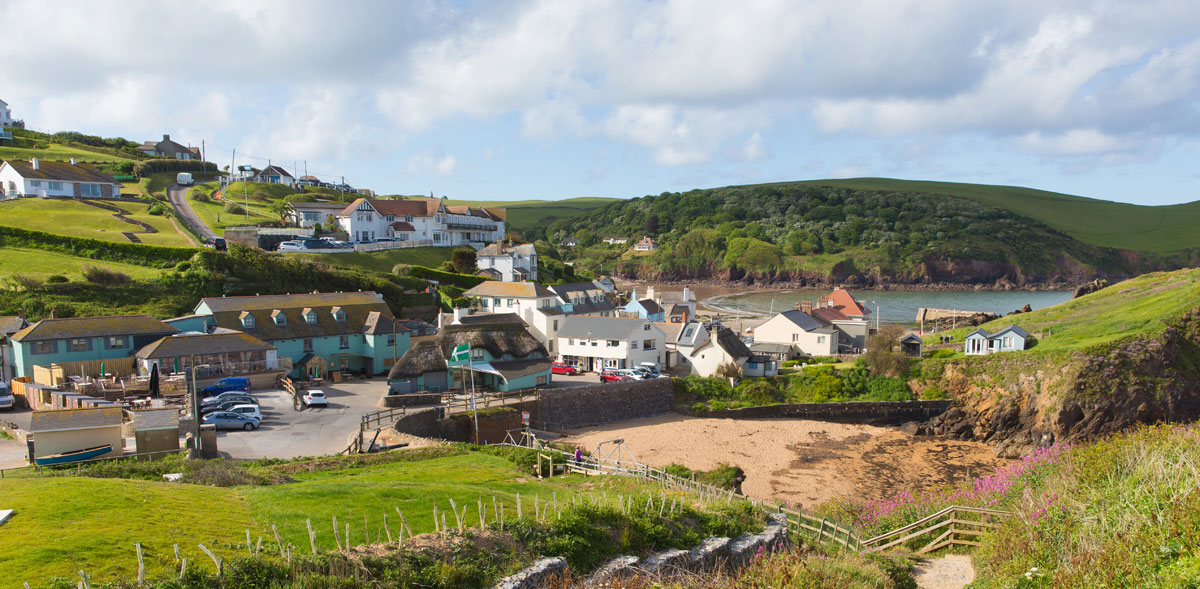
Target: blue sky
[{"x": 553, "y": 99}]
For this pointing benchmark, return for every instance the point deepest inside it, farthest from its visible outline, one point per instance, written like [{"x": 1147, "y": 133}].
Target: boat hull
[{"x": 75, "y": 456}]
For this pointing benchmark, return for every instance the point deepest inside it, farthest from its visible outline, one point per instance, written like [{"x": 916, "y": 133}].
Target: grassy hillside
[
  {"x": 531, "y": 217},
  {"x": 59, "y": 152},
  {"x": 383, "y": 261},
  {"x": 1159, "y": 229},
  {"x": 69, "y": 217},
  {"x": 43, "y": 264}
]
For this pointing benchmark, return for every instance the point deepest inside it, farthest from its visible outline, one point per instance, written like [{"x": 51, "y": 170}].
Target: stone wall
[
  {"x": 595, "y": 404},
  {"x": 422, "y": 423},
  {"x": 874, "y": 413},
  {"x": 413, "y": 400}
]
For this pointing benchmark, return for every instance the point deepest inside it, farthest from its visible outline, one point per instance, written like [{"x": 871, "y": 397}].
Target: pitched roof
[
  {"x": 11, "y": 324},
  {"x": 403, "y": 226},
  {"x": 829, "y": 314},
  {"x": 732, "y": 344},
  {"x": 494, "y": 249},
  {"x": 912, "y": 337},
  {"x": 575, "y": 326},
  {"x": 287, "y": 301},
  {"x": 651, "y": 307},
  {"x": 493, "y": 288},
  {"x": 498, "y": 337},
  {"x": 48, "y": 329},
  {"x": 770, "y": 348},
  {"x": 847, "y": 304},
  {"x": 511, "y": 369},
  {"x": 72, "y": 419},
  {"x": 377, "y": 323},
  {"x": 61, "y": 171},
  {"x": 672, "y": 330},
  {"x": 420, "y": 359},
  {"x": 273, "y": 170},
  {"x": 678, "y": 309},
  {"x": 1014, "y": 329},
  {"x": 179, "y": 345},
  {"x": 981, "y": 331},
  {"x": 319, "y": 204},
  {"x": 802, "y": 320}
]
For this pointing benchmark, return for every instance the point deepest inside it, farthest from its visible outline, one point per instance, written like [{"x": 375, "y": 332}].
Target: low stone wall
[
  {"x": 539, "y": 574},
  {"x": 423, "y": 423},
  {"x": 873, "y": 413},
  {"x": 492, "y": 428},
  {"x": 412, "y": 400},
  {"x": 595, "y": 404}
]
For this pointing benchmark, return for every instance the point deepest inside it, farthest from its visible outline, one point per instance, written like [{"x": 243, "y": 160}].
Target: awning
[{"x": 482, "y": 367}]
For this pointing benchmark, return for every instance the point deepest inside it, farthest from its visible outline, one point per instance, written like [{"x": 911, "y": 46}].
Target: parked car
[
  {"x": 291, "y": 246},
  {"x": 230, "y": 420},
  {"x": 628, "y": 374},
  {"x": 333, "y": 242},
  {"x": 651, "y": 367},
  {"x": 232, "y": 383},
  {"x": 561, "y": 368},
  {"x": 6, "y": 397},
  {"x": 315, "y": 397},
  {"x": 227, "y": 405},
  {"x": 612, "y": 376},
  {"x": 251, "y": 410},
  {"x": 240, "y": 398},
  {"x": 648, "y": 372}
]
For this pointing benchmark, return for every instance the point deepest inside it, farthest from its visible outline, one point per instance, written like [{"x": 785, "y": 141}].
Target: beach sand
[{"x": 799, "y": 460}]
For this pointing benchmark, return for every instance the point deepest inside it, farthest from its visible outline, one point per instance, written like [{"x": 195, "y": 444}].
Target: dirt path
[
  {"x": 119, "y": 213},
  {"x": 953, "y": 571},
  {"x": 800, "y": 461}
]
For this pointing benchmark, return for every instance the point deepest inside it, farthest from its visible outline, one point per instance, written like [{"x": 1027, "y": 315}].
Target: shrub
[
  {"x": 199, "y": 194},
  {"x": 938, "y": 354},
  {"x": 57, "y": 279},
  {"x": 157, "y": 210},
  {"x": 725, "y": 476},
  {"x": 234, "y": 208},
  {"x": 101, "y": 275},
  {"x": 933, "y": 393},
  {"x": 83, "y": 247},
  {"x": 145, "y": 168},
  {"x": 759, "y": 391},
  {"x": 401, "y": 269}
]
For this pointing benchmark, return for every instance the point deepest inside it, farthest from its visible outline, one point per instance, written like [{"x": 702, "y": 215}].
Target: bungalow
[
  {"x": 596, "y": 343},
  {"x": 644, "y": 308},
  {"x": 225, "y": 353},
  {"x": 43, "y": 179},
  {"x": 319, "y": 332},
  {"x": 169, "y": 148},
  {"x": 273, "y": 174},
  {"x": 57, "y": 341},
  {"x": 9, "y": 326},
  {"x": 803, "y": 333},
  {"x": 307, "y": 214},
  {"x": 1009, "y": 339},
  {"x": 570, "y": 242},
  {"x": 68, "y": 430},
  {"x": 645, "y": 245},
  {"x": 507, "y": 263}
]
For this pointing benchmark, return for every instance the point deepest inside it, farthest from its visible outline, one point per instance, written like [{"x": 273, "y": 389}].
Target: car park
[
  {"x": 251, "y": 410},
  {"x": 291, "y": 246},
  {"x": 563, "y": 368},
  {"x": 230, "y": 420},
  {"x": 241, "y": 399},
  {"x": 315, "y": 398},
  {"x": 6, "y": 397},
  {"x": 612, "y": 376}
]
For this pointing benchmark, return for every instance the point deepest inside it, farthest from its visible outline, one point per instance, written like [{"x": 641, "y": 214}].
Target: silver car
[{"x": 230, "y": 420}]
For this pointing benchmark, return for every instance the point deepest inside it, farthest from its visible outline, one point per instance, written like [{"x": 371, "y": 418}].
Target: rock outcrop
[{"x": 1090, "y": 287}]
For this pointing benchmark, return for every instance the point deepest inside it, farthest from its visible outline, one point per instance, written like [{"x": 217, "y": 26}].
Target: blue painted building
[
  {"x": 645, "y": 309},
  {"x": 81, "y": 339},
  {"x": 319, "y": 332}
]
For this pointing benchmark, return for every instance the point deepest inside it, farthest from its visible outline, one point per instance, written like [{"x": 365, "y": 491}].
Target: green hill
[{"x": 530, "y": 218}]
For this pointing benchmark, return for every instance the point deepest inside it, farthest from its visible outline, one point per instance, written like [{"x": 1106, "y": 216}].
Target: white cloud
[
  {"x": 754, "y": 149},
  {"x": 1073, "y": 142},
  {"x": 431, "y": 162}
]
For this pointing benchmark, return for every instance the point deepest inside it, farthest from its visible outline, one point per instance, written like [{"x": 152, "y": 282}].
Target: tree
[
  {"x": 883, "y": 356},
  {"x": 652, "y": 225},
  {"x": 282, "y": 208},
  {"x": 586, "y": 238},
  {"x": 464, "y": 260}
]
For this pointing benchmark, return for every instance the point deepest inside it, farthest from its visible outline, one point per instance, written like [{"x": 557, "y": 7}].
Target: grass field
[
  {"x": 526, "y": 214},
  {"x": 383, "y": 261},
  {"x": 59, "y": 152},
  {"x": 1135, "y": 307},
  {"x": 1160, "y": 229},
  {"x": 93, "y": 523},
  {"x": 40, "y": 263},
  {"x": 68, "y": 217}
]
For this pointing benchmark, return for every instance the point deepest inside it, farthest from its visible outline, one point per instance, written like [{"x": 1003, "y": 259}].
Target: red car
[
  {"x": 568, "y": 369},
  {"x": 611, "y": 376}
]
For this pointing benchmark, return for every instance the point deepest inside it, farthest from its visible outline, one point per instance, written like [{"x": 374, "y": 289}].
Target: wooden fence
[
  {"x": 961, "y": 526},
  {"x": 822, "y": 529},
  {"x": 486, "y": 400},
  {"x": 58, "y": 373},
  {"x": 373, "y": 420}
]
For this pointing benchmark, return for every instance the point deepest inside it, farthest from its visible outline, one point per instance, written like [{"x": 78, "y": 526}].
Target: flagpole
[{"x": 474, "y": 408}]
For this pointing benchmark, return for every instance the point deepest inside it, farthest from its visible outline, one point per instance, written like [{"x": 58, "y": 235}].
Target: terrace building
[{"x": 84, "y": 339}]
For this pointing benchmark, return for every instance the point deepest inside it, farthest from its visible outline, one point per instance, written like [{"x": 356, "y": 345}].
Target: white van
[
  {"x": 184, "y": 179},
  {"x": 6, "y": 398}
]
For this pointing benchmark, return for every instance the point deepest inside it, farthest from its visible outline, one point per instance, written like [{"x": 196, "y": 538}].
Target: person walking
[{"x": 578, "y": 455}]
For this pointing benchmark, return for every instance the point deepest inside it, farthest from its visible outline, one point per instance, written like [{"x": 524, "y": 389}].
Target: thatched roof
[
  {"x": 420, "y": 359},
  {"x": 498, "y": 338}
]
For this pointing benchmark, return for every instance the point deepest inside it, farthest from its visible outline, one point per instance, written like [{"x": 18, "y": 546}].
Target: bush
[
  {"x": 401, "y": 269},
  {"x": 101, "y": 275},
  {"x": 199, "y": 194},
  {"x": 234, "y": 208},
  {"x": 157, "y": 210},
  {"x": 461, "y": 280},
  {"x": 57, "y": 279},
  {"x": 145, "y": 168},
  {"x": 933, "y": 393},
  {"x": 759, "y": 391}
]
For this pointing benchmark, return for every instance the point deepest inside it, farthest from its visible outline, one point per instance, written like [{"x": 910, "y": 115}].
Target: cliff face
[{"x": 1019, "y": 403}]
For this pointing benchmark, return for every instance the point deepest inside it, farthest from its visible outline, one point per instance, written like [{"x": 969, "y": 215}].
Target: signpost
[{"x": 460, "y": 352}]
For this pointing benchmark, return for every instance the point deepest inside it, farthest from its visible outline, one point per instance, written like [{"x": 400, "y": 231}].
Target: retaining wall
[
  {"x": 422, "y": 423},
  {"x": 595, "y": 404},
  {"x": 873, "y": 413},
  {"x": 411, "y": 400}
]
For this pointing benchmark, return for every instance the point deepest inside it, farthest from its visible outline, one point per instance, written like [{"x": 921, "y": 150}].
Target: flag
[{"x": 461, "y": 353}]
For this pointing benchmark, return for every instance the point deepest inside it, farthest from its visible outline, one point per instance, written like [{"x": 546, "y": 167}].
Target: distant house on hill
[
  {"x": 508, "y": 263},
  {"x": 169, "y": 148},
  {"x": 570, "y": 242},
  {"x": 274, "y": 175},
  {"x": 645, "y": 245},
  {"x": 614, "y": 240},
  {"x": 44, "y": 179},
  {"x": 307, "y": 214},
  {"x": 1010, "y": 339},
  {"x": 421, "y": 219},
  {"x": 6, "y": 119}
]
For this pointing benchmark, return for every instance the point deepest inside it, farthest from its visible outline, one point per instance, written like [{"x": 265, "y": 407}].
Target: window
[
  {"x": 408, "y": 218},
  {"x": 55, "y": 185},
  {"x": 570, "y": 341},
  {"x": 80, "y": 344},
  {"x": 280, "y": 319},
  {"x": 391, "y": 218},
  {"x": 688, "y": 332},
  {"x": 595, "y": 343},
  {"x": 820, "y": 339},
  {"x": 477, "y": 353},
  {"x": 751, "y": 365},
  {"x": 795, "y": 337},
  {"x": 437, "y": 237},
  {"x": 541, "y": 379},
  {"x": 496, "y": 302},
  {"x": 310, "y": 317},
  {"x": 344, "y": 342},
  {"x": 308, "y": 345},
  {"x": 339, "y": 314},
  {"x": 648, "y": 344},
  {"x": 44, "y": 347},
  {"x": 247, "y": 320},
  {"x": 35, "y": 183},
  {"x": 612, "y": 343},
  {"x": 92, "y": 190},
  {"x": 556, "y": 325},
  {"x": 484, "y": 302},
  {"x": 551, "y": 346},
  {"x": 646, "y": 327},
  {"x": 510, "y": 302},
  {"x": 391, "y": 340},
  {"x": 115, "y": 342},
  {"x": 633, "y": 345}
]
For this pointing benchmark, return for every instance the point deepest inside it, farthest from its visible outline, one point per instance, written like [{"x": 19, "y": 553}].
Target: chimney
[
  {"x": 34, "y": 162},
  {"x": 806, "y": 306},
  {"x": 166, "y": 137},
  {"x": 21, "y": 313},
  {"x": 687, "y": 294},
  {"x": 53, "y": 312},
  {"x": 458, "y": 315},
  {"x": 796, "y": 306},
  {"x": 685, "y": 317},
  {"x": 633, "y": 297},
  {"x": 74, "y": 162}
]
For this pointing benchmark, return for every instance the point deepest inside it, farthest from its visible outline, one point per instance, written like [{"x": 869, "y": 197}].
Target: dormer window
[
  {"x": 408, "y": 218},
  {"x": 391, "y": 218},
  {"x": 338, "y": 314},
  {"x": 310, "y": 316},
  {"x": 247, "y": 320},
  {"x": 279, "y": 317}
]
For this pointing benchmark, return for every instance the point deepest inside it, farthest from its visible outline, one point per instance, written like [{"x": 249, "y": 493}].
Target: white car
[
  {"x": 630, "y": 374},
  {"x": 291, "y": 246},
  {"x": 6, "y": 397},
  {"x": 315, "y": 397},
  {"x": 249, "y": 410}
]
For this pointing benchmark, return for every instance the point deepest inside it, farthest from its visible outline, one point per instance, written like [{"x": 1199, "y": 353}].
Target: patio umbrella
[
  {"x": 101, "y": 369},
  {"x": 154, "y": 381},
  {"x": 176, "y": 364}
]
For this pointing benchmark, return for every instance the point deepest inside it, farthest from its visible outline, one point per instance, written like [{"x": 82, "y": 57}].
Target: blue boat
[{"x": 73, "y": 456}]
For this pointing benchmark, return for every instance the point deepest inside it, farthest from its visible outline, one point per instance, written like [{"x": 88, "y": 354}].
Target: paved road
[{"x": 183, "y": 209}]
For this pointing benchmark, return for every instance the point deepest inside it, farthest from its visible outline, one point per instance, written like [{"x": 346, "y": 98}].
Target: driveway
[
  {"x": 288, "y": 433},
  {"x": 183, "y": 209}
]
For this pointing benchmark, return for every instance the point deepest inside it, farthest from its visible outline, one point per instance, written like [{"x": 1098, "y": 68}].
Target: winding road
[{"x": 183, "y": 209}]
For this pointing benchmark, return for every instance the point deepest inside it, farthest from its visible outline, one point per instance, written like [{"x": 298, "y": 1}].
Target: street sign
[{"x": 525, "y": 418}]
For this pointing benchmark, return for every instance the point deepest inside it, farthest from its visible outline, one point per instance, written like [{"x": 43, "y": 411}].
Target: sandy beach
[{"x": 798, "y": 460}]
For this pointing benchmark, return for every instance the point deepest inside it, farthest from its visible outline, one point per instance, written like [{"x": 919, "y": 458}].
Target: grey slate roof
[
  {"x": 286, "y": 301},
  {"x": 1013, "y": 329},
  {"x": 802, "y": 320},
  {"x": 650, "y": 306},
  {"x": 69, "y": 419},
  {"x": 601, "y": 327},
  {"x": 48, "y": 329},
  {"x": 180, "y": 345},
  {"x": 732, "y": 344},
  {"x": 769, "y": 348}
]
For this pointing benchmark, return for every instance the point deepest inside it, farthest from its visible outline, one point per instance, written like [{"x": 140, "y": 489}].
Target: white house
[
  {"x": 678, "y": 307},
  {"x": 803, "y": 333},
  {"x": 1009, "y": 339},
  {"x": 169, "y": 148},
  {"x": 614, "y": 240},
  {"x": 421, "y": 219},
  {"x": 596, "y": 343},
  {"x": 543, "y": 309},
  {"x": 273, "y": 174},
  {"x": 704, "y": 350},
  {"x": 43, "y": 179},
  {"x": 307, "y": 214},
  {"x": 508, "y": 263},
  {"x": 645, "y": 245},
  {"x": 6, "y": 119}
]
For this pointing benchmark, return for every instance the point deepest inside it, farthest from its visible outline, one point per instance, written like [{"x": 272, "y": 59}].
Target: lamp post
[{"x": 196, "y": 402}]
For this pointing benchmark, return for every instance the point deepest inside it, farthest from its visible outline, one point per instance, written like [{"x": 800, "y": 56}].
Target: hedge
[
  {"x": 170, "y": 165},
  {"x": 443, "y": 277},
  {"x": 131, "y": 253}
]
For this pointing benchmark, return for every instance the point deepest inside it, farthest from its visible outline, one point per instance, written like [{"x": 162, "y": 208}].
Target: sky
[{"x": 557, "y": 99}]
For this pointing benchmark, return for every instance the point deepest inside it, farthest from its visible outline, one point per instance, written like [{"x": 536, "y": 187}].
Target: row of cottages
[
  {"x": 507, "y": 263},
  {"x": 421, "y": 219},
  {"x": 169, "y": 148},
  {"x": 981, "y": 342},
  {"x": 677, "y": 306},
  {"x": 602, "y": 343},
  {"x": 503, "y": 357},
  {"x": 543, "y": 308},
  {"x": 837, "y": 323},
  {"x": 36, "y": 178},
  {"x": 702, "y": 349}
]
